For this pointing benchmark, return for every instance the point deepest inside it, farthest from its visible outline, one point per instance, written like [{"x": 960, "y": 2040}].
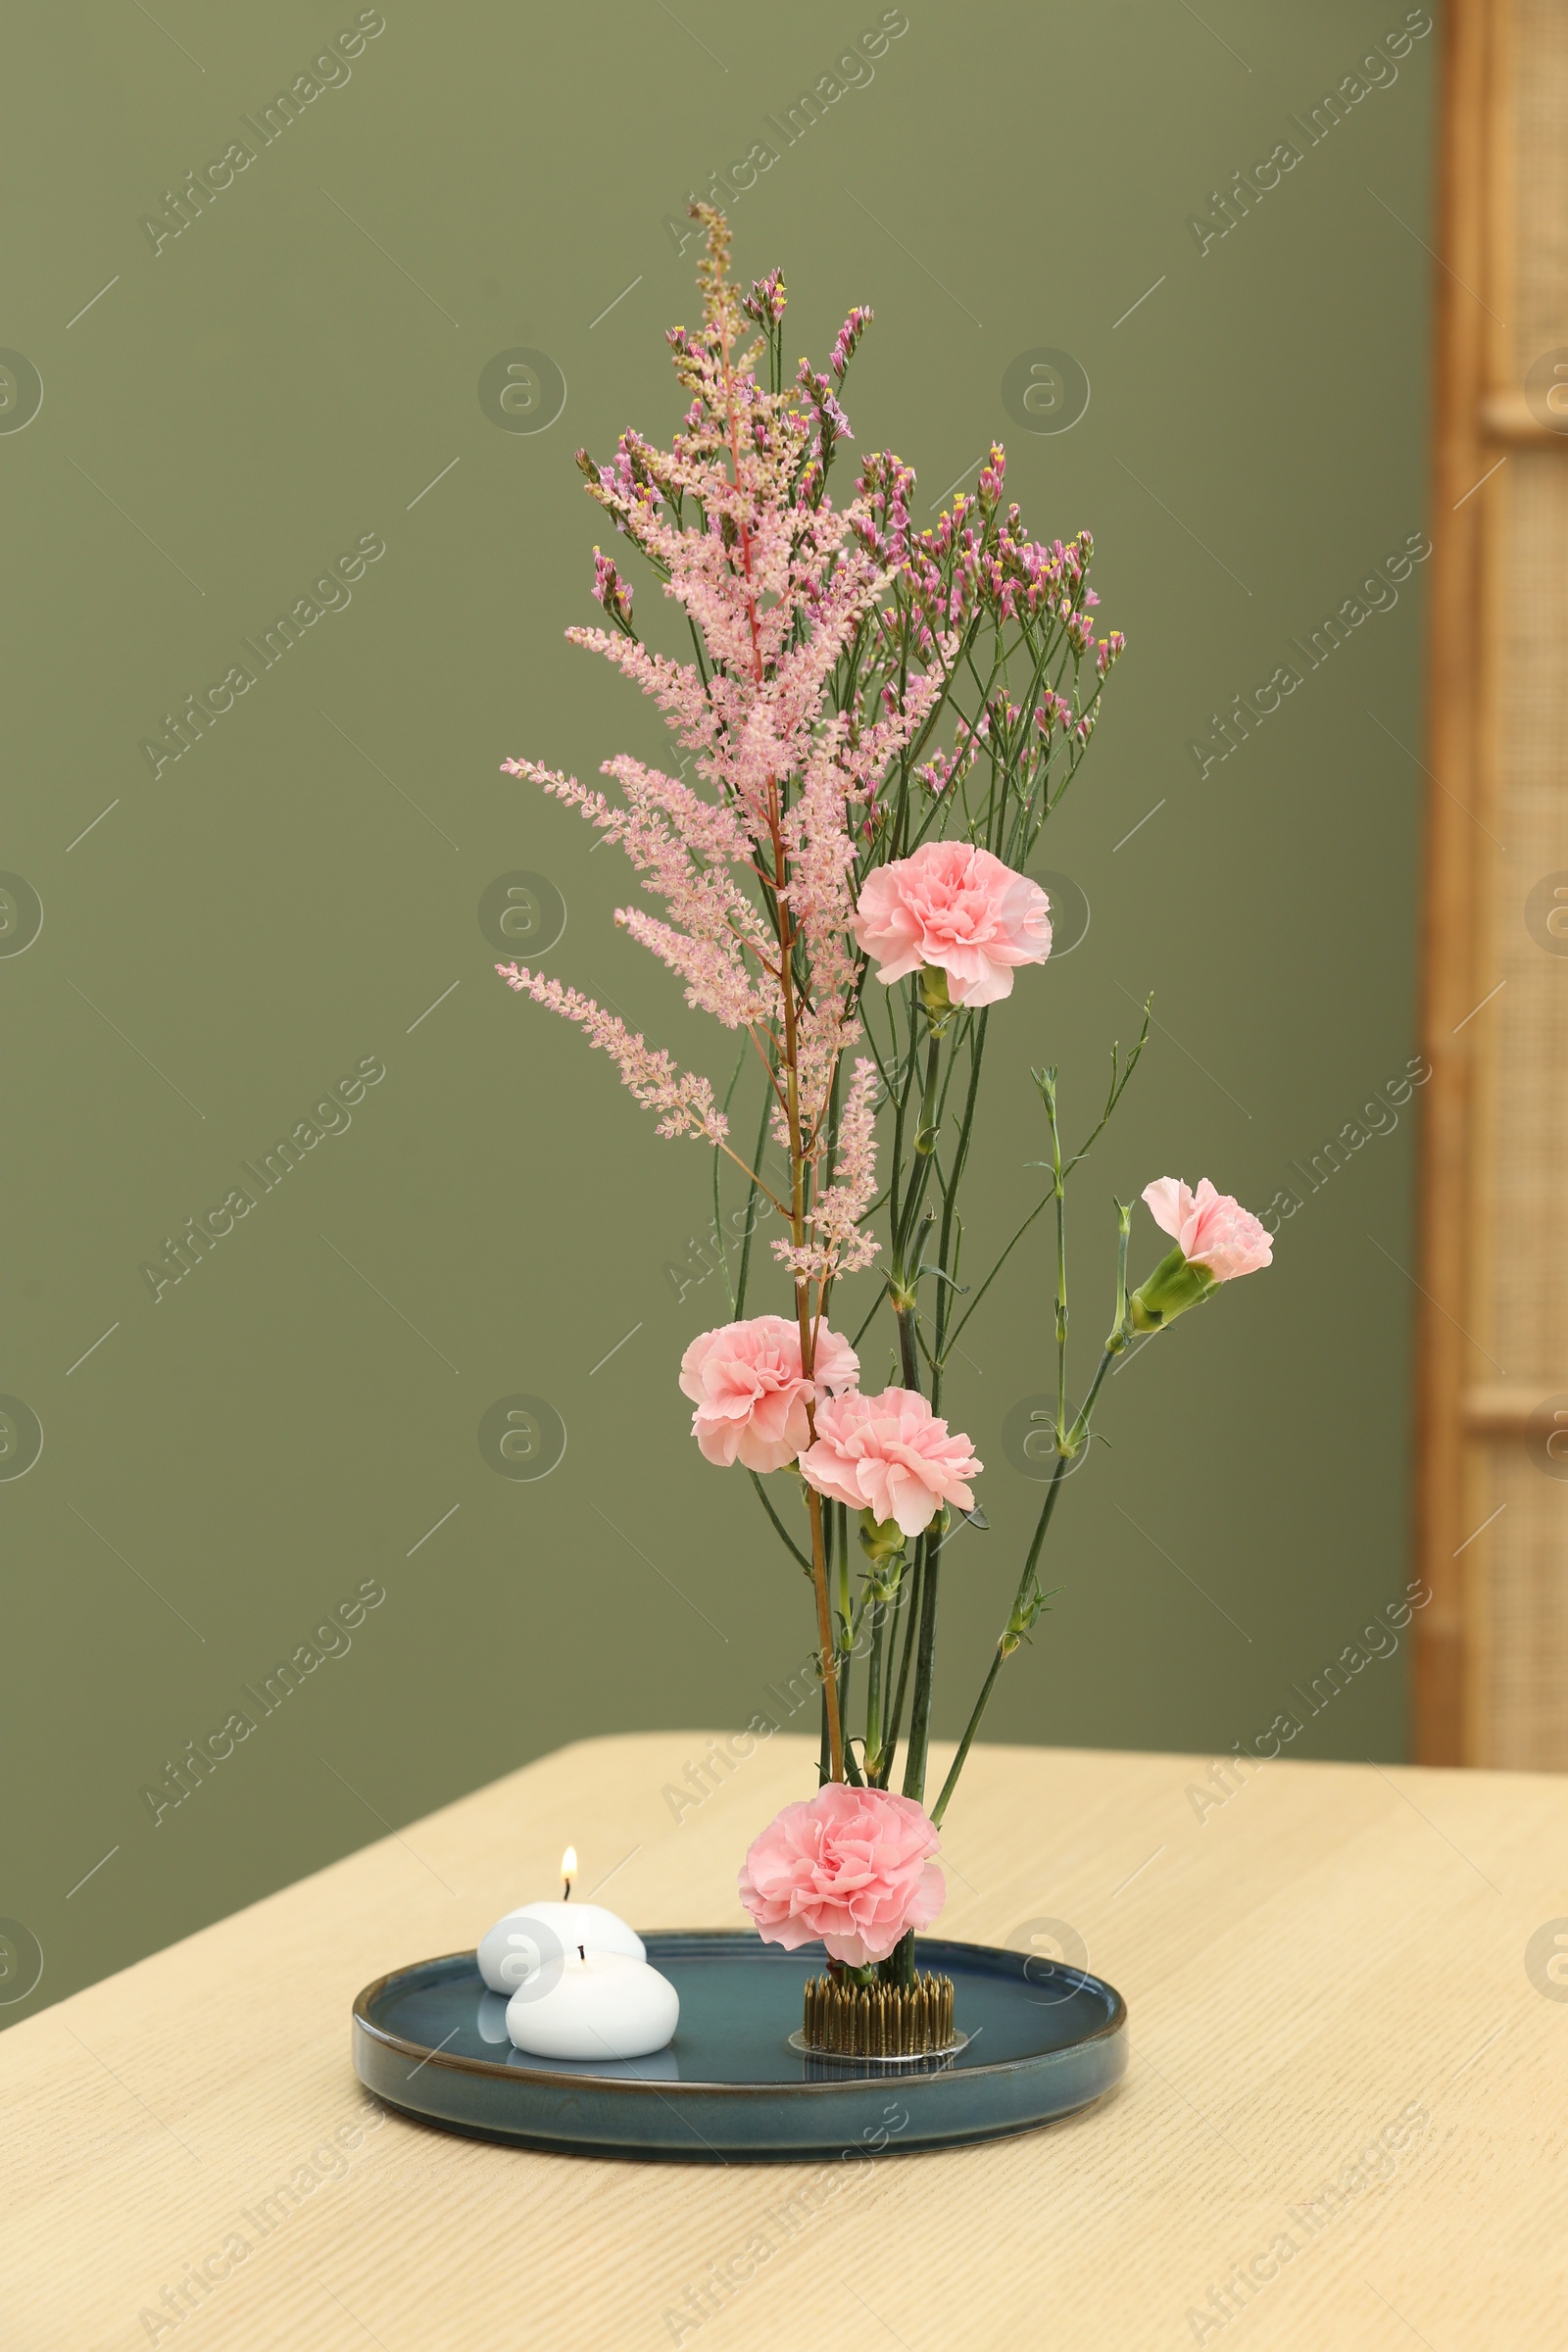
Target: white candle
[
  {"x": 530, "y": 1937},
  {"x": 595, "y": 2004}
]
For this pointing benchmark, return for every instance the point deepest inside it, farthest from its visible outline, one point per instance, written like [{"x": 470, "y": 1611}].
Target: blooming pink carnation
[
  {"x": 958, "y": 907},
  {"x": 890, "y": 1455},
  {"x": 852, "y": 1868},
  {"x": 750, "y": 1395},
  {"x": 1210, "y": 1229}
]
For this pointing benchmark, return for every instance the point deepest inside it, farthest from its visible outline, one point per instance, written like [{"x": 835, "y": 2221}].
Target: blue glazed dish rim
[{"x": 987, "y": 1958}]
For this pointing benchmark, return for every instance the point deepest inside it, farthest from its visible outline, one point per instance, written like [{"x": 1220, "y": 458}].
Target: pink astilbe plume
[
  {"x": 752, "y": 863},
  {"x": 843, "y": 1242},
  {"x": 685, "y": 848},
  {"x": 685, "y": 1101}
]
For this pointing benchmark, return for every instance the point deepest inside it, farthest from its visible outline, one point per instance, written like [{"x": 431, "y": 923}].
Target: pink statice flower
[
  {"x": 847, "y": 336},
  {"x": 852, "y": 1868},
  {"x": 992, "y": 476},
  {"x": 954, "y": 905},
  {"x": 751, "y": 1394},
  {"x": 824, "y": 400},
  {"x": 890, "y": 1455},
  {"x": 1209, "y": 1228},
  {"x": 764, "y": 303},
  {"x": 611, "y": 590}
]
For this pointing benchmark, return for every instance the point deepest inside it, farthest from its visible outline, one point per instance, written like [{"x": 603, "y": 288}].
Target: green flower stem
[
  {"x": 1124, "y": 1218},
  {"x": 901, "y": 1109},
  {"x": 925, "y": 1135},
  {"x": 890, "y": 1645},
  {"x": 1014, "y": 1629},
  {"x": 1048, "y": 1094},
  {"x": 905, "y": 1315},
  {"x": 920, "y": 1706},
  {"x": 873, "y": 1693},
  {"x": 750, "y": 1208},
  {"x": 899, "y": 1966},
  {"x": 938, "y": 1015},
  {"x": 970, "y": 1729},
  {"x": 958, "y": 1329},
  {"x": 915, "y": 1579},
  {"x": 884, "y": 1548},
  {"x": 1008, "y": 1642},
  {"x": 947, "y": 1259},
  {"x": 824, "y": 1635},
  {"x": 914, "y": 1764},
  {"x": 845, "y": 1635},
  {"x": 718, "y": 1227},
  {"x": 908, "y": 1360},
  {"x": 784, "y": 1533}
]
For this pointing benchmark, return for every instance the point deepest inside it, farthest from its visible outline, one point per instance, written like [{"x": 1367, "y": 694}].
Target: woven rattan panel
[
  {"x": 1538, "y": 77},
  {"x": 1519, "y": 1307}
]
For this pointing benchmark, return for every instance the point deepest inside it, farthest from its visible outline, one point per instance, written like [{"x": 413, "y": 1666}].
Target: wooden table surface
[{"x": 1343, "y": 2124}]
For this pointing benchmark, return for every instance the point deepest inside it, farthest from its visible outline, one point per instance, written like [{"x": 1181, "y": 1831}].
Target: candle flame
[{"x": 568, "y": 1864}]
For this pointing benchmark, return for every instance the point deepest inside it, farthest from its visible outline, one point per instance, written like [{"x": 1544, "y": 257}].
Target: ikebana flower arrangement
[{"x": 880, "y": 720}]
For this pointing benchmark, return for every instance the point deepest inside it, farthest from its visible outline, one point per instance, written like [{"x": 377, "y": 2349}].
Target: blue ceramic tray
[{"x": 1044, "y": 2040}]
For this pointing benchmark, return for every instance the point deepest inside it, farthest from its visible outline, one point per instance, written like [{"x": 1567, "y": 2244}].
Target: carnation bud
[
  {"x": 1175, "y": 1285},
  {"x": 881, "y": 1540},
  {"x": 934, "y": 993}
]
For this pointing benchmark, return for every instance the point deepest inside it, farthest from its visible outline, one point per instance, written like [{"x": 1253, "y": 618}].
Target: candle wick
[{"x": 582, "y": 1955}]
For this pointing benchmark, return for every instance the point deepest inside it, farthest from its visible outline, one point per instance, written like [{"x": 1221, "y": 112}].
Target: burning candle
[
  {"x": 575, "y": 1980},
  {"x": 529, "y": 1938}
]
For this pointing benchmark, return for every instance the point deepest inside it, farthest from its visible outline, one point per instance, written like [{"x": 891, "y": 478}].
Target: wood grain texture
[
  {"x": 1492, "y": 1656},
  {"x": 1332, "y": 1956}
]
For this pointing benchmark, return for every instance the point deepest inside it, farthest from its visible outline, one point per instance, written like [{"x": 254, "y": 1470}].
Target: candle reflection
[
  {"x": 492, "y": 2016},
  {"x": 661, "y": 2066}
]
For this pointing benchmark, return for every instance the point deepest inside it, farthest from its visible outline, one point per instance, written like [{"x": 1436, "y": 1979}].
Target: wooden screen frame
[
  {"x": 1480, "y": 414},
  {"x": 1469, "y": 144}
]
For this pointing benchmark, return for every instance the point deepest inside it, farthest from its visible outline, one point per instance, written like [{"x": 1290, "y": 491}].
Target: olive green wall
[{"x": 316, "y": 364}]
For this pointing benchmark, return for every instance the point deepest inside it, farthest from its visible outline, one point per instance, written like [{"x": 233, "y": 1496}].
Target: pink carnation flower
[
  {"x": 1209, "y": 1228},
  {"x": 851, "y": 1868},
  {"x": 750, "y": 1395},
  {"x": 958, "y": 907},
  {"x": 890, "y": 1455}
]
